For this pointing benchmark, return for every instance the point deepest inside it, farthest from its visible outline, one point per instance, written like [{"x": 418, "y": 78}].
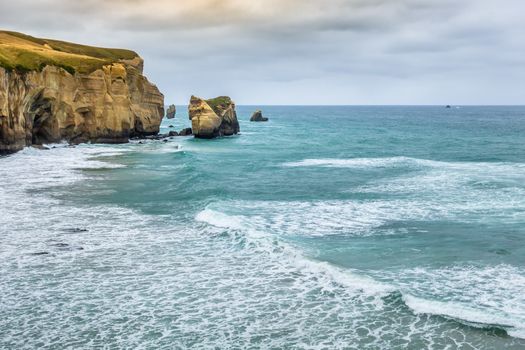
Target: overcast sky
[{"x": 303, "y": 51}]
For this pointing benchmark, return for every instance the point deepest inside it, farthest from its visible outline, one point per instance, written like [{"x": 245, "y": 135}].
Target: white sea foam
[
  {"x": 455, "y": 311},
  {"x": 148, "y": 281},
  {"x": 387, "y": 162},
  {"x": 353, "y": 162},
  {"x": 467, "y": 314},
  {"x": 452, "y": 191},
  {"x": 488, "y": 296},
  {"x": 479, "y": 295},
  {"x": 269, "y": 243},
  {"x": 364, "y": 217},
  {"x": 464, "y": 191},
  {"x": 369, "y": 293},
  {"x": 33, "y": 168},
  {"x": 218, "y": 219}
]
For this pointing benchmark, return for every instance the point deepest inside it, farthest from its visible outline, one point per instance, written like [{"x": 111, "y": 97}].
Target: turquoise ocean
[{"x": 324, "y": 228}]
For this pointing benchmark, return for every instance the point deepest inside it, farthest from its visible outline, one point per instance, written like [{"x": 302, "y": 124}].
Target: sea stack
[
  {"x": 170, "y": 113},
  {"x": 52, "y": 91},
  {"x": 258, "y": 117},
  {"x": 213, "y": 118}
]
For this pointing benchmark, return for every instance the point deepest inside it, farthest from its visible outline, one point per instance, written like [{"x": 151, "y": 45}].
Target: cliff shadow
[{"x": 42, "y": 120}]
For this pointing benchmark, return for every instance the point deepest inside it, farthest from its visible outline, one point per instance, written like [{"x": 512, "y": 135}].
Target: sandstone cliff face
[
  {"x": 213, "y": 118},
  {"x": 109, "y": 105},
  {"x": 52, "y": 90}
]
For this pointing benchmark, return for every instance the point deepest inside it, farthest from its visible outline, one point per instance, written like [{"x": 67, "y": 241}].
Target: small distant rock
[
  {"x": 173, "y": 133},
  {"x": 171, "y": 126},
  {"x": 185, "y": 132},
  {"x": 75, "y": 230},
  {"x": 156, "y": 137},
  {"x": 172, "y": 110},
  {"x": 258, "y": 117}
]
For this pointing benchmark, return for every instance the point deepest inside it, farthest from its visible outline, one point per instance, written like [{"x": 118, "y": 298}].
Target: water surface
[{"x": 327, "y": 227}]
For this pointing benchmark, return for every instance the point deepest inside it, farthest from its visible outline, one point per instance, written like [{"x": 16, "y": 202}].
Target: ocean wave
[
  {"x": 372, "y": 217},
  {"x": 427, "y": 190},
  {"x": 190, "y": 288},
  {"x": 271, "y": 245},
  {"x": 352, "y": 163},
  {"x": 302, "y": 297},
  {"x": 454, "y": 310},
  {"x": 473, "y": 297},
  {"x": 478, "y": 296},
  {"x": 466, "y": 315},
  {"x": 219, "y": 219},
  {"x": 391, "y": 162}
]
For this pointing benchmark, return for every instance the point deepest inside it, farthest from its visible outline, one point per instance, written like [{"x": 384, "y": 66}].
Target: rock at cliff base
[
  {"x": 258, "y": 117},
  {"x": 185, "y": 132},
  {"x": 170, "y": 113},
  {"x": 214, "y": 117},
  {"x": 173, "y": 133}
]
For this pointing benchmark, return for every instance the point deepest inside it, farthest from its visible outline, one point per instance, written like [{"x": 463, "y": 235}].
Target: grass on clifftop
[
  {"x": 221, "y": 101},
  {"x": 25, "y": 53}
]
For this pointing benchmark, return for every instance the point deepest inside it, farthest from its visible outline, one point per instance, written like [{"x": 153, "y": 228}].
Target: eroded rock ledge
[{"x": 53, "y": 103}]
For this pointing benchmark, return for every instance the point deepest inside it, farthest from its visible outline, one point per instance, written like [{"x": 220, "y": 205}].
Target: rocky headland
[
  {"x": 53, "y": 91},
  {"x": 213, "y": 118}
]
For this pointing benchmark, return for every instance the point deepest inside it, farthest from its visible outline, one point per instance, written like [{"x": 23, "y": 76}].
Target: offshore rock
[
  {"x": 102, "y": 100},
  {"x": 213, "y": 118},
  {"x": 172, "y": 110},
  {"x": 258, "y": 117}
]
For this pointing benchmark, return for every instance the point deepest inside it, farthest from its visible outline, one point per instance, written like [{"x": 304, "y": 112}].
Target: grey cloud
[{"x": 304, "y": 51}]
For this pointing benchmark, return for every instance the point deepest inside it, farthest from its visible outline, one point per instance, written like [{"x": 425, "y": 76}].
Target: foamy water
[{"x": 372, "y": 237}]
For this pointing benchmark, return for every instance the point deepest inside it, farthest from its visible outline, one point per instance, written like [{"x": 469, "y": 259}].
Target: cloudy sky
[{"x": 304, "y": 51}]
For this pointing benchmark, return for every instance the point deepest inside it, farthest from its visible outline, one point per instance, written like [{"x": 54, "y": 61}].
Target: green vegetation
[
  {"x": 24, "y": 53},
  {"x": 219, "y": 103}
]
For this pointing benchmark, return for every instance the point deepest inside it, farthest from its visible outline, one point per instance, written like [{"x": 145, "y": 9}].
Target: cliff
[
  {"x": 52, "y": 91},
  {"x": 213, "y": 117}
]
